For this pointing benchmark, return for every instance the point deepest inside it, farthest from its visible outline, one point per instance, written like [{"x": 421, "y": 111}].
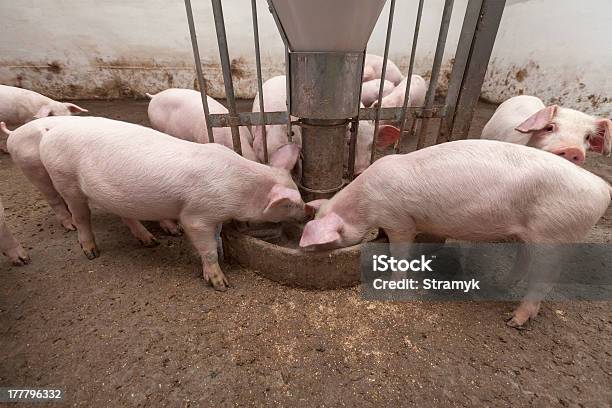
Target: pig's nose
[{"x": 573, "y": 154}]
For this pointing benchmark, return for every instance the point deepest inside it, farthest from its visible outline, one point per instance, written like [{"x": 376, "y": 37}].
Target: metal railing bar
[
  {"x": 264, "y": 136},
  {"x": 382, "y": 76},
  {"x": 435, "y": 70},
  {"x": 415, "y": 38},
  {"x": 227, "y": 73},
  {"x": 200, "y": 75}
]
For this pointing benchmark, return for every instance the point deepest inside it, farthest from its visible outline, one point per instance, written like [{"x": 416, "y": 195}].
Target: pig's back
[
  {"x": 179, "y": 113},
  {"x": 508, "y": 116},
  {"x": 490, "y": 186},
  {"x": 120, "y": 165}
]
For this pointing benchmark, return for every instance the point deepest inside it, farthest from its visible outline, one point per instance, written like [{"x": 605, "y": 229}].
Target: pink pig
[
  {"x": 23, "y": 144},
  {"x": 179, "y": 113},
  {"x": 372, "y": 69},
  {"x": 369, "y": 91},
  {"x": 18, "y": 106},
  {"x": 416, "y": 97},
  {"x": 274, "y": 92},
  {"x": 565, "y": 132},
  {"x": 279, "y": 148},
  {"x": 9, "y": 245},
  {"x": 487, "y": 191},
  {"x": 139, "y": 173}
]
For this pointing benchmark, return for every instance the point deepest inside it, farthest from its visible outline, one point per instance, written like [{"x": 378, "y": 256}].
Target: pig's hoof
[
  {"x": 150, "y": 242},
  {"x": 22, "y": 260},
  {"x": 517, "y": 322},
  {"x": 91, "y": 251},
  {"x": 171, "y": 228},
  {"x": 218, "y": 281},
  {"x": 67, "y": 224},
  {"x": 19, "y": 257}
]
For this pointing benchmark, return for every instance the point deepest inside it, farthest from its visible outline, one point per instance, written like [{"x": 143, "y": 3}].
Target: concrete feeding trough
[{"x": 274, "y": 254}]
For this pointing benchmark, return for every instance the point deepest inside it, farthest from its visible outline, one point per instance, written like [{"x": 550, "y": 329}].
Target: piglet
[
  {"x": 275, "y": 91},
  {"x": 23, "y": 145},
  {"x": 474, "y": 190},
  {"x": 369, "y": 91},
  {"x": 372, "y": 69},
  {"x": 179, "y": 113},
  {"x": 416, "y": 96},
  {"x": 275, "y": 100},
  {"x": 565, "y": 132},
  {"x": 18, "y": 106},
  {"x": 9, "y": 245},
  {"x": 139, "y": 173}
]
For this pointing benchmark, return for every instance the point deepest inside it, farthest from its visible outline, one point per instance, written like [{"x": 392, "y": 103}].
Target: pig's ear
[
  {"x": 538, "y": 120},
  {"x": 325, "y": 230},
  {"x": 285, "y": 157},
  {"x": 601, "y": 142},
  {"x": 74, "y": 108},
  {"x": 43, "y": 112},
  {"x": 280, "y": 196},
  {"x": 387, "y": 135},
  {"x": 313, "y": 206}
]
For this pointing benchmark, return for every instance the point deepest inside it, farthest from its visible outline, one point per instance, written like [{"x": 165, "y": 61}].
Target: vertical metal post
[
  {"x": 417, "y": 25},
  {"x": 323, "y": 143},
  {"x": 264, "y": 137},
  {"x": 198, "y": 64},
  {"x": 354, "y": 130},
  {"x": 481, "y": 22},
  {"x": 227, "y": 73},
  {"x": 283, "y": 35},
  {"x": 435, "y": 70},
  {"x": 382, "y": 77},
  {"x": 288, "y": 94}
]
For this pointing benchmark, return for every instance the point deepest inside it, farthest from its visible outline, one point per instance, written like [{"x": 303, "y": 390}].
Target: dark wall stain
[
  {"x": 521, "y": 74},
  {"x": 239, "y": 68},
  {"x": 54, "y": 67},
  {"x": 115, "y": 88}
]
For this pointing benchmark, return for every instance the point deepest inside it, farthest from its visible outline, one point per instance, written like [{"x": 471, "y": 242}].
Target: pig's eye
[
  {"x": 588, "y": 137},
  {"x": 550, "y": 128}
]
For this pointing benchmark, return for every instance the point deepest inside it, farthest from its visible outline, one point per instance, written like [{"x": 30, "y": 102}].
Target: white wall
[{"x": 556, "y": 49}]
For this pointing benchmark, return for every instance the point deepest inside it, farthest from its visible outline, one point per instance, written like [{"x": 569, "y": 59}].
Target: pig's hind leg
[
  {"x": 202, "y": 236},
  {"x": 141, "y": 233},
  {"x": 40, "y": 178},
  {"x": 81, "y": 215}
]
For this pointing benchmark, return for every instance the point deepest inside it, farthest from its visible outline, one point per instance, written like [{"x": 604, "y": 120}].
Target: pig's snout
[{"x": 573, "y": 154}]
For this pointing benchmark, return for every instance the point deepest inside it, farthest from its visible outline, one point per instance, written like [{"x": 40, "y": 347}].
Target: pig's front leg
[
  {"x": 171, "y": 227},
  {"x": 399, "y": 241},
  {"x": 11, "y": 248},
  {"x": 202, "y": 236},
  {"x": 140, "y": 232},
  {"x": 542, "y": 269}
]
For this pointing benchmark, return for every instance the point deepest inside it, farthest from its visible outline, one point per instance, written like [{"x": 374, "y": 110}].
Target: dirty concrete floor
[{"x": 139, "y": 327}]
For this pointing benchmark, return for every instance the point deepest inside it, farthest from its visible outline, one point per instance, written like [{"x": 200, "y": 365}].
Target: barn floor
[{"x": 139, "y": 326}]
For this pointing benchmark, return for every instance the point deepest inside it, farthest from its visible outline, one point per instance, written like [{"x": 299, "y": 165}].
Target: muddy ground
[{"x": 139, "y": 327}]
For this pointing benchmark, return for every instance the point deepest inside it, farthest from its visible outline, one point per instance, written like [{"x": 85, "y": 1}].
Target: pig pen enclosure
[{"x": 139, "y": 326}]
